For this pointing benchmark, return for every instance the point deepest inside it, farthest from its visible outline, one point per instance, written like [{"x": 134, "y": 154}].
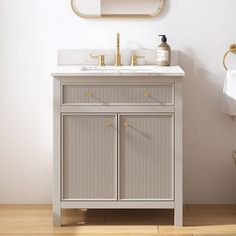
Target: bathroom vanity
[{"x": 118, "y": 138}]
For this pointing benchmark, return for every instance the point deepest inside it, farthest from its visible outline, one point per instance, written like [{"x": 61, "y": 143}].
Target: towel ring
[{"x": 232, "y": 49}]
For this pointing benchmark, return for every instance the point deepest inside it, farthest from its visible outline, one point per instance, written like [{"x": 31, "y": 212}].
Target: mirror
[{"x": 117, "y": 8}]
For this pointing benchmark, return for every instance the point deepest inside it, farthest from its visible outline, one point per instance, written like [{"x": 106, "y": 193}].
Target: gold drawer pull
[
  {"x": 89, "y": 94},
  {"x": 146, "y": 94},
  {"x": 108, "y": 124},
  {"x": 126, "y": 124}
]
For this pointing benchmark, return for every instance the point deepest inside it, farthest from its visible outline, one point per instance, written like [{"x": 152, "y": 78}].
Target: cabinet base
[
  {"x": 118, "y": 205},
  {"x": 178, "y": 211}
]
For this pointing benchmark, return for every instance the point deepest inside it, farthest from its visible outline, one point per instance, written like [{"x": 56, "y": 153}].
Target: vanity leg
[
  {"x": 56, "y": 155},
  {"x": 178, "y": 216},
  {"x": 178, "y": 156},
  {"x": 57, "y": 217}
]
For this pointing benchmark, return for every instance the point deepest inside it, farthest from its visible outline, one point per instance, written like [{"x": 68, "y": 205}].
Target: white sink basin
[{"x": 115, "y": 69}]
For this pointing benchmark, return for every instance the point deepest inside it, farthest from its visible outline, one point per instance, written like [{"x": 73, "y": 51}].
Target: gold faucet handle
[
  {"x": 134, "y": 59},
  {"x": 101, "y": 59}
]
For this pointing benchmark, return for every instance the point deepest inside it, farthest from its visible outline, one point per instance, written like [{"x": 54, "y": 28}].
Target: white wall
[{"x": 30, "y": 34}]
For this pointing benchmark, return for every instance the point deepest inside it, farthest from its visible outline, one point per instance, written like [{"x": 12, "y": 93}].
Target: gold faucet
[{"x": 118, "y": 55}]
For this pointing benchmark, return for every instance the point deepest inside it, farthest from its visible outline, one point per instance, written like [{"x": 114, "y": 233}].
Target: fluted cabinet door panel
[
  {"x": 146, "y": 157},
  {"x": 89, "y": 157},
  {"x": 161, "y": 94}
]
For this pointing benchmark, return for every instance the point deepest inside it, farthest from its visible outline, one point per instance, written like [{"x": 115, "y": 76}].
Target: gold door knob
[
  {"x": 126, "y": 124},
  {"x": 146, "y": 94},
  {"x": 88, "y": 94},
  {"x": 108, "y": 124}
]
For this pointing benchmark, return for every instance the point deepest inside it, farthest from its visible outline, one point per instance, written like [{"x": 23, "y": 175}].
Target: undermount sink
[{"x": 115, "y": 69}]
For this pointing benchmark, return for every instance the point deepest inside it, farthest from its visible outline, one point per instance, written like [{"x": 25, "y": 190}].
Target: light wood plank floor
[{"x": 199, "y": 220}]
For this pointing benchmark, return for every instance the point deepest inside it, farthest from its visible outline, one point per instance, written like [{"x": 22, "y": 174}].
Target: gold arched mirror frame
[{"x": 117, "y": 8}]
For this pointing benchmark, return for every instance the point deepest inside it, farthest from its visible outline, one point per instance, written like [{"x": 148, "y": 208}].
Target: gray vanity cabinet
[
  {"x": 118, "y": 142},
  {"x": 89, "y": 157},
  {"x": 146, "y": 157}
]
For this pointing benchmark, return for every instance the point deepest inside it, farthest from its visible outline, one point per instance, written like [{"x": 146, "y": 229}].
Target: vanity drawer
[{"x": 152, "y": 94}]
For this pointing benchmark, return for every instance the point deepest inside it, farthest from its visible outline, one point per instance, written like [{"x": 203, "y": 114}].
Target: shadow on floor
[
  {"x": 117, "y": 217},
  {"x": 194, "y": 215}
]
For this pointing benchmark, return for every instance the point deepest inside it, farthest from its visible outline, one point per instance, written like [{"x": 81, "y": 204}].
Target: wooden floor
[{"x": 199, "y": 220}]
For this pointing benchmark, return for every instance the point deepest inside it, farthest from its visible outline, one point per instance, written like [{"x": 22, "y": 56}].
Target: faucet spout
[{"x": 118, "y": 55}]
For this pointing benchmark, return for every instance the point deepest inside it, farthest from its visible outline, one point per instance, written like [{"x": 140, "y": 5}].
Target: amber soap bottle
[{"x": 163, "y": 52}]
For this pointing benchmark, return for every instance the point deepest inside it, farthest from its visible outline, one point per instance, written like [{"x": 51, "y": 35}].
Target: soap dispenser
[{"x": 163, "y": 52}]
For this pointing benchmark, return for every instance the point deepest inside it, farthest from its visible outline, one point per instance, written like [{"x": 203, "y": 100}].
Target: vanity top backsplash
[
  {"x": 80, "y": 57},
  {"x": 84, "y": 62}
]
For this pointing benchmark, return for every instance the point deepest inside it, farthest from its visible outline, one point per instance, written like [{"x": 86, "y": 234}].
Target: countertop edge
[
  {"x": 116, "y": 75},
  {"x": 175, "y": 71}
]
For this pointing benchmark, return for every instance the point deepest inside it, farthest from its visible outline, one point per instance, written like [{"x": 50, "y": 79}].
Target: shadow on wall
[{"x": 205, "y": 132}]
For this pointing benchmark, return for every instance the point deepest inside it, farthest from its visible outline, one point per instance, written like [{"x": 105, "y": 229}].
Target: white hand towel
[{"x": 229, "y": 93}]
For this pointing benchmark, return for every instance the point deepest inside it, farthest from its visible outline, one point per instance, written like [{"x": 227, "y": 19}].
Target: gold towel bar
[{"x": 231, "y": 49}]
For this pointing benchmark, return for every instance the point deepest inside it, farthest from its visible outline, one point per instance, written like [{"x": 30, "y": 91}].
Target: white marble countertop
[{"x": 61, "y": 71}]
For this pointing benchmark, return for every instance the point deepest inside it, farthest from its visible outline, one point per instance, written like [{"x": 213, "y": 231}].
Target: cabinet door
[
  {"x": 89, "y": 162},
  {"x": 146, "y": 159}
]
